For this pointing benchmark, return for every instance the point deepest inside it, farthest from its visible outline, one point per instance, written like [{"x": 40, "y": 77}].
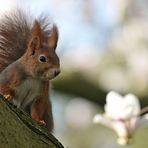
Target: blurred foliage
[
  {"x": 106, "y": 48},
  {"x": 76, "y": 84},
  {"x": 121, "y": 64},
  {"x": 101, "y": 137}
]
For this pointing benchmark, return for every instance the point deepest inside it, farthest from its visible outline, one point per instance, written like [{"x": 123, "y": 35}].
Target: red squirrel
[{"x": 28, "y": 61}]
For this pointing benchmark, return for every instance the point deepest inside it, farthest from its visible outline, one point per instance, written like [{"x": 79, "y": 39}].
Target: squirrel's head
[{"x": 41, "y": 58}]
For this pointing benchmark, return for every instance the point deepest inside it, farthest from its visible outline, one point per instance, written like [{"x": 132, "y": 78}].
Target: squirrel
[{"x": 28, "y": 61}]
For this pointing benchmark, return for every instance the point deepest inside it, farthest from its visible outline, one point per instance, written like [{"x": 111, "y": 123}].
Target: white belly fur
[{"x": 27, "y": 92}]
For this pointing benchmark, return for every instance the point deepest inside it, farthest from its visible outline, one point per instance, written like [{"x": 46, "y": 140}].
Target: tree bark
[{"x": 19, "y": 130}]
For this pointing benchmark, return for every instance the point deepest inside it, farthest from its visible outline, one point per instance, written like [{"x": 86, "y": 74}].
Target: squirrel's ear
[
  {"x": 34, "y": 45},
  {"x": 53, "y": 38},
  {"x": 35, "y": 40}
]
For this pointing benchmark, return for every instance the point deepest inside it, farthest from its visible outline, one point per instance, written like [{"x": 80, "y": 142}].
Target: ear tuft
[
  {"x": 36, "y": 29},
  {"x": 53, "y": 39}
]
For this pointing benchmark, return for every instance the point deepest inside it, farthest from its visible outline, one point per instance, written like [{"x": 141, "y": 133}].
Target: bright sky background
[{"x": 75, "y": 31}]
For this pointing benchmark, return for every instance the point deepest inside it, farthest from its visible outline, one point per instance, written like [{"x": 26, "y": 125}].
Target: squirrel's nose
[{"x": 57, "y": 72}]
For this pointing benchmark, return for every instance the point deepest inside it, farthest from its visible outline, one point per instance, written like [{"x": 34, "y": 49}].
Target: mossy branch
[{"x": 18, "y": 129}]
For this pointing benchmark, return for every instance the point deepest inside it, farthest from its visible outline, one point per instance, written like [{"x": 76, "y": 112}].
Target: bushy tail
[{"x": 15, "y": 29}]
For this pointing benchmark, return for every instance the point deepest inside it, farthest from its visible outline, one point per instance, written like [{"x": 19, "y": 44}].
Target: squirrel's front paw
[
  {"x": 8, "y": 94},
  {"x": 8, "y": 97},
  {"x": 42, "y": 122}
]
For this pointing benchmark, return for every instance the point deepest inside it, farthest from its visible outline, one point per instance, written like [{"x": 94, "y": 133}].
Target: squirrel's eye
[{"x": 42, "y": 58}]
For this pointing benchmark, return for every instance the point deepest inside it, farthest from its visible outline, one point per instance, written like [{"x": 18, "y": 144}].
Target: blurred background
[{"x": 103, "y": 46}]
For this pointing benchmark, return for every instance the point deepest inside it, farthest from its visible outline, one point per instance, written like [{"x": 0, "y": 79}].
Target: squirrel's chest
[{"x": 27, "y": 92}]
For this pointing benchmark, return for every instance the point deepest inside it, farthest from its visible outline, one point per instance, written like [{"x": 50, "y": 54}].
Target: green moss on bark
[{"x": 18, "y": 130}]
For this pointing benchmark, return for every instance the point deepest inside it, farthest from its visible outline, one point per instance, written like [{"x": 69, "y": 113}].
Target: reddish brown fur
[
  {"x": 42, "y": 110},
  {"x": 22, "y": 47}
]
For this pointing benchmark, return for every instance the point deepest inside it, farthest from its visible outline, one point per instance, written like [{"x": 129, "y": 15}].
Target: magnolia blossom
[
  {"x": 121, "y": 108},
  {"x": 122, "y": 114}
]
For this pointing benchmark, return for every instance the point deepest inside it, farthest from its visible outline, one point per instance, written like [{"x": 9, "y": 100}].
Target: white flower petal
[
  {"x": 118, "y": 107},
  {"x": 133, "y": 101},
  {"x": 120, "y": 129},
  {"x": 102, "y": 119},
  {"x": 113, "y": 97},
  {"x": 113, "y": 104}
]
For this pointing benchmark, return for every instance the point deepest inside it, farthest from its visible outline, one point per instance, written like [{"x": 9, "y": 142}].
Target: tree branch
[
  {"x": 77, "y": 85},
  {"x": 18, "y": 129}
]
